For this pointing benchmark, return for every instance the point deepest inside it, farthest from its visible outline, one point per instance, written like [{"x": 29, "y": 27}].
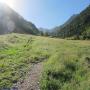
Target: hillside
[
  {"x": 77, "y": 27},
  {"x": 66, "y": 23},
  {"x": 66, "y": 63},
  {"x": 10, "y": 21}
]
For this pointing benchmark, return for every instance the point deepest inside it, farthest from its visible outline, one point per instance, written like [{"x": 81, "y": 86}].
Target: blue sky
[{"x": 49, "y": 13}]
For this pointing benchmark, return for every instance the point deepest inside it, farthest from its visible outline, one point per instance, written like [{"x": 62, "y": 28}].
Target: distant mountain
[
  {"x": 10, "y": 21},
  {"x": 45, "y": 32},
  {"x": 77, "y": 26},
  {"x": 43, "y": 29}
]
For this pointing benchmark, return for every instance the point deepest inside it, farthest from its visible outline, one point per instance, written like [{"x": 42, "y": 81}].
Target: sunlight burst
[{"x": 8, "y": 2}]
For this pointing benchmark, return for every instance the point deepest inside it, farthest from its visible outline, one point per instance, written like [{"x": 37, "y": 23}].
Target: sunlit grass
[{"x": 66, "y": 67}]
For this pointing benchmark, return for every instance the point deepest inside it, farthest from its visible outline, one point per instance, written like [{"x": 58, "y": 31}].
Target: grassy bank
[
  {"x": 67, "y": 66},
  {"x": 17, "y": 53}
]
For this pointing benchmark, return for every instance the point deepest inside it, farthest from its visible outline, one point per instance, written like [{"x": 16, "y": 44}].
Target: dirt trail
[{"x": 32, "y": 79}]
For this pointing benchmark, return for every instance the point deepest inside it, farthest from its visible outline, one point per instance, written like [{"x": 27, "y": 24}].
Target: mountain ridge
[
  {"x": 11, "y": 21},
  {"x": 78, "y": 27}
]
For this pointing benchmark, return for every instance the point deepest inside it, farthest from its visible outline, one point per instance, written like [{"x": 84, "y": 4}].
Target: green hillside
[
  {"x": 67, "y": 65},
  {"x": 77, "y": 27}
]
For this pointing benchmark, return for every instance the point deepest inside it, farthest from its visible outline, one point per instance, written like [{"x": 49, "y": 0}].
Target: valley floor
[{"x": 67, "y": 65}]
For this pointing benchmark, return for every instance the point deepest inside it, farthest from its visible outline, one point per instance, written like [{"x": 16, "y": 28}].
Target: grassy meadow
[{"x": 66, "y": 65}]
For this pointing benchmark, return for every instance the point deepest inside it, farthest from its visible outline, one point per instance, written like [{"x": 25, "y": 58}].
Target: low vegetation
[
  {"x": 66, "y": 67},
  {"x": 17, "y": 53}
]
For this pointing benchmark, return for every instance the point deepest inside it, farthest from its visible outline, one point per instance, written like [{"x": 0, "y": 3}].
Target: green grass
[{"x": 67, "y": 66}]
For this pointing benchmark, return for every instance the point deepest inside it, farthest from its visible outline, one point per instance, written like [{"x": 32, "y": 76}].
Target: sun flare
[{"x": 8, "y": 2}]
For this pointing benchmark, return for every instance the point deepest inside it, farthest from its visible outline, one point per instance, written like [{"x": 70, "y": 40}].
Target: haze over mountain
[
  {"x": 44, "y": 29},
  {"x": 11, "y": 21}
]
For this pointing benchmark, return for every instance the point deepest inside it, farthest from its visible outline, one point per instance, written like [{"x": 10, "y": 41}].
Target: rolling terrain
[{"x": 66, "y": 63}]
